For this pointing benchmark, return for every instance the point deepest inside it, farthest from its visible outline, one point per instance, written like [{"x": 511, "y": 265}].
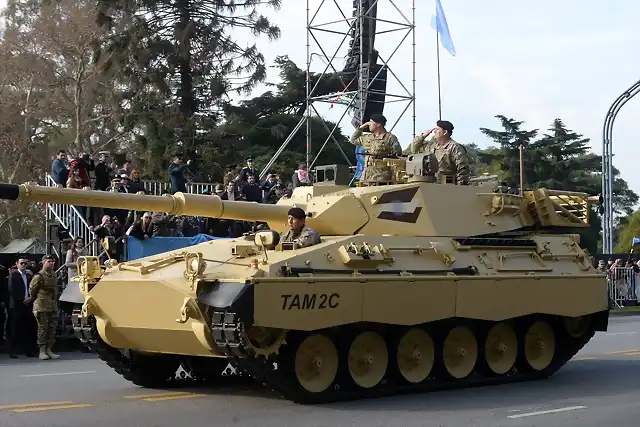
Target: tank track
[
  {"x": 227, "y": 330},
  {"x": 147, "y": 371}
]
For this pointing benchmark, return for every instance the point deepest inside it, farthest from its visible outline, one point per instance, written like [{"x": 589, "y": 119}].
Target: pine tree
[
  {"x": 182, "y": 61},
  {"x": 563, "y": 161},
  {"x": 509, "y": 141}
]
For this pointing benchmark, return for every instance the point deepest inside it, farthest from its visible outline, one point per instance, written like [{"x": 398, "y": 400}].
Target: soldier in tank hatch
[
  {"x": 453, "y": 161},
  {"x": 377, "y": 145},
  {"x": 299, "y": 232},
  {"x": 44, "y": 292}
]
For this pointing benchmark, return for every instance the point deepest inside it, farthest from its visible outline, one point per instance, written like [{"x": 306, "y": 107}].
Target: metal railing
[
  {"x": 72, "y": 219},
  {"x": 624, "y": 286},
  {"x": 158, "y": 187}
]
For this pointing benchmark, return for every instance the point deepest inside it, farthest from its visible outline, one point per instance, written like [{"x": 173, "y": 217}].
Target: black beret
[
  {"x": 297, "y": 213},
  {"x": 445, "y": 125},
  {"x": 246, "y": 159},
  {"x": 379, "y": 118}
]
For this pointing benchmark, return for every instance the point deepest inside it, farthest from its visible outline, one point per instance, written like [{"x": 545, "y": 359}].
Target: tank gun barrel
[{"x": 178, "y": 204}]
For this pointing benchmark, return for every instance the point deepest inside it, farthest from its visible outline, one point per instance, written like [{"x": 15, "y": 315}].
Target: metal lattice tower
[{"x": 358, "y": 21}]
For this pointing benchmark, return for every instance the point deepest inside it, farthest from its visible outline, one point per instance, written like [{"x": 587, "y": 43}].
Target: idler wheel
[
  {"x": 501, "y": 348},
  {"x": 539, "y": 345},
  {"x": 368, "y": 359},
  {"x": 316, "y": 363},
  {"x": 416, "y": 354},
  {"x": 577, "y": 326},
  {"x": 460, "y": 352}
]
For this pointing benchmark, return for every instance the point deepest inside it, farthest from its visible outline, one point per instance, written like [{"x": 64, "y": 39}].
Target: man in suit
[{"x": 23, "y": 322}]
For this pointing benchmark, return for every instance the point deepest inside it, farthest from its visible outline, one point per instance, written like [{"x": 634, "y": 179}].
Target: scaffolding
[{"x": 361, "y": 27}]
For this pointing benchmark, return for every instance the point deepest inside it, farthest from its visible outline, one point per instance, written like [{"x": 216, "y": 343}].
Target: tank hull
[{"x": 439, "y": 312}]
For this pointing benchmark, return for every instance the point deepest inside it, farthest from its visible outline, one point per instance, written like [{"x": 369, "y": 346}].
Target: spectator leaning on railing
[{"x": 142, "y": 229}]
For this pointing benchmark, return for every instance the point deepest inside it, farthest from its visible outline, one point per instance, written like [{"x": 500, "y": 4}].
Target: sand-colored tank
[{"x": 415, "y": 285}]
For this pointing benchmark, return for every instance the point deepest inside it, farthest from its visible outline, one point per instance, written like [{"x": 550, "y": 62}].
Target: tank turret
[{"x": 411, "y": 205}]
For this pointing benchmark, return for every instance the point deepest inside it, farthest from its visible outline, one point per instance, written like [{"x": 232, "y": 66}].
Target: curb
[{"x": 624, "y": 313}]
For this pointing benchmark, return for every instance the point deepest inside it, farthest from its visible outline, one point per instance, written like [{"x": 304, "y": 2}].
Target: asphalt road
[{"x": 601, "y": 386}]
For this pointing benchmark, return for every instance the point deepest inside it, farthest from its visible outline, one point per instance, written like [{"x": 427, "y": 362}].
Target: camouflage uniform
[
  {"x": 452, "y": 158},
  {"x": 306, "y": 237},
  {"x": 44, "y": 290},
  {"x": 376, "y": 147}
]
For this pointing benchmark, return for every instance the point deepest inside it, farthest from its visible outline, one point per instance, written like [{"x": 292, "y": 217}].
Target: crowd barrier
[{"x": 623, "y": 286}]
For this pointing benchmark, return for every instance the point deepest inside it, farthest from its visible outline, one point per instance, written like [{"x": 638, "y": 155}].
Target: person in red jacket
[{"x": 84, "y": 164}]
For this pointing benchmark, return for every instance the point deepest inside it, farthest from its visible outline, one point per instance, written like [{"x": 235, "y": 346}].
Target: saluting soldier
[
  {"x": 44, "y": 291},
  {"x": 248, "y": 170},
  {"x": 298, "y": 231},
  {"x": 377, "y": 144},
  {"x": 453, "y": 161}
]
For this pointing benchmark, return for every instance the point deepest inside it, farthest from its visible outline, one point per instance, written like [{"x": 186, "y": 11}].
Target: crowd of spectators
[
  {"x": 239, "y": 184},
  {"x": 18, "y": 327}
]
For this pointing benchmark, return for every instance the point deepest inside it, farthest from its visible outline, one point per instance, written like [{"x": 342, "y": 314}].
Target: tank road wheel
[
  {"x": 501, "y": 348},
  {"x": 416, "y": 354},
  {"x": 316, "y": 363},
  {"x": 577, "y": 326},
  {"x": 539, "y": 345},
  {"x": 460, "y": 352},
  {"x": 368, "y": 359}
]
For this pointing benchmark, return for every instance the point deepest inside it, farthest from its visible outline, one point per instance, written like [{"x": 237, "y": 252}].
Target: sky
[{"x": 529, "y": 60}]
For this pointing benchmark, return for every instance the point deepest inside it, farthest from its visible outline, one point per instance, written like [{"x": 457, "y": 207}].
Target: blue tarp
[{"x": 155, "y": 245}]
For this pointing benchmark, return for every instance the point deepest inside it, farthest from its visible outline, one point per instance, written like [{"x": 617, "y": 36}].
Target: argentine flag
[{"x": 439, "y": 23}]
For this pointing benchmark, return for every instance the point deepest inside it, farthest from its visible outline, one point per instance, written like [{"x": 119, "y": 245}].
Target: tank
[{"x": 416, "y": 285}]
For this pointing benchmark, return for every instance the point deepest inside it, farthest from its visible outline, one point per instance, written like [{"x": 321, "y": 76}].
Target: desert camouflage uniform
[
  {"x": 376, "y": 147},
  {"x": 306, "y": 237},
  {"x": 44, "y": 289},
  {"x": 452, "y": 158}
]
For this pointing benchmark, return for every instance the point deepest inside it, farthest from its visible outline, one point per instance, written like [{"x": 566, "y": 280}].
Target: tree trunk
[{"x": 188, "y": 104}]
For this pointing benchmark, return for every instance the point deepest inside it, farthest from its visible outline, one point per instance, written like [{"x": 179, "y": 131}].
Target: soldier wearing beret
[
  {"x": 377, "y": 144},
  {"x": 44, "y": 291},
  {"x": 298, "y": 231},
  {"x": 452, "y": 157}
]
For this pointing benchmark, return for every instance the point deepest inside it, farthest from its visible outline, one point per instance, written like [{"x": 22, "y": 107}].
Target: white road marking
[
  {"x": 611, "y": 334},
  {"x": 57, "y": 373},
  {"x": 550, "y": 411}
]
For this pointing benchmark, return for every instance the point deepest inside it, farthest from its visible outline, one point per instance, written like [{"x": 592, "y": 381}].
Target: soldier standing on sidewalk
[{"x": 44, "y": 292}]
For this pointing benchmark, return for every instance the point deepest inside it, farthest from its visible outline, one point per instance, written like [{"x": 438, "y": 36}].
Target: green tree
[
  {"x": 509, "y": 140},
  {"x": 484, "y": 161},
  {"x": 181, "y": 61}
]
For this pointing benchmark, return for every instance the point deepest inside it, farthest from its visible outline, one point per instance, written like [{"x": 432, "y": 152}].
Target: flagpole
[{"x": 438, "y": 65}]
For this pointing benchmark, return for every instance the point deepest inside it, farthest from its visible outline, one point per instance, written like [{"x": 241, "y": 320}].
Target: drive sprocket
[{"x": 262, "y": 341}]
